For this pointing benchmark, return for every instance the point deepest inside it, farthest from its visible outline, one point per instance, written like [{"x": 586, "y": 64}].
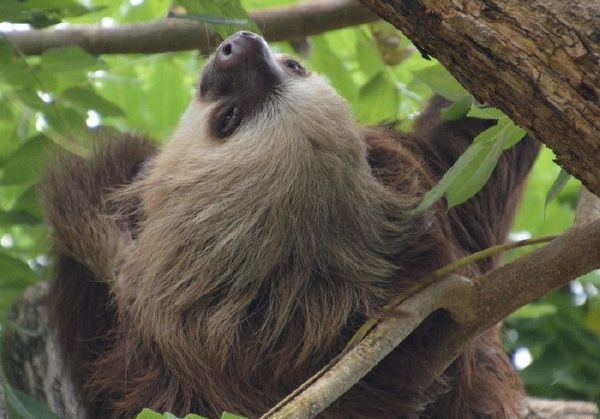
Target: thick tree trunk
[{"x": 537, "y": 60}]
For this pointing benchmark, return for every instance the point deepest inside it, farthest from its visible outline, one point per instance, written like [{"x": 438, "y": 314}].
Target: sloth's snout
[
  {"x": 241, "y": 47},
  {"x": 243, "y": 69}
]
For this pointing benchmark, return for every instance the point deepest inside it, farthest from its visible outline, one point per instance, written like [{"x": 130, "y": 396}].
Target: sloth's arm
[{"x": 89, "y": 241}]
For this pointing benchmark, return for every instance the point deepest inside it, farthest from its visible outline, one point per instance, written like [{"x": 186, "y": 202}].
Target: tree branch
[
  {"x": 381, "y": 341},
  {"x": 535, "y": 60},
  {"x": 176, "y": 34},
  {"x": 556, "y": 409},
  {"x": 483, "y": 303}
]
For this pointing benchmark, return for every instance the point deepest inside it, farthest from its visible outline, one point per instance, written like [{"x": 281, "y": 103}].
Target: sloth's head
[
  {"x": 250, "y": 99},
  {"x": 264, "y": 182}
]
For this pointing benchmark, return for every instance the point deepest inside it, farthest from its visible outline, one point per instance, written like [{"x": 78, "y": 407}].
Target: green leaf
[
  {"x": 30, "y": 98},
  {"x": 510, "y": 133},
  {"x": 9, "y": 141},
  {"x": 25, "y": 166},
  {"x": 15, "y": 72},
  {"x": 166, "y": 101},
  {"x": 485, "y": 112},
  {"x": 67, "y": 120},
  {"x": 12, "y": 11},
  {"x": 148, "y": 414},
  {"x": 146, "y": 10},
  {"x": 378, "y": 99},
  {"x": 226, "y": 415},
  {"x": 12, "y": 268},
  {"x": 557, "y": 186},
  {"x": 9, "y": 218},
  {"x": 458, "y": 109},
  {"x": 326, "y": 61},
  {"x": 88, "y": 99},
  {"x": 474, "y": 167},
  {"x": 463, "y": 162},
  {"x": 228, "y": 16},
  {"x": 534, "y": 311},
  {"x": 5, "y": 111},
  {"x": 151, "y": 414},
  {"x": 514, "y": 134},
  {"x": 28, "y": 407},
  {"x": 470, "y": 181},
  {"x": 592, "y": 319},
  {"x": 368, "y": 57},
  {"x": 69, "y": 59},
  {"x": 441, "y": 82},
  {"x": 29, "y": 203}
]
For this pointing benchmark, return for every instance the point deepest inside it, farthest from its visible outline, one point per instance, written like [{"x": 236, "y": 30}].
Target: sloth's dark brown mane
[{"x": 255, "y": 257}]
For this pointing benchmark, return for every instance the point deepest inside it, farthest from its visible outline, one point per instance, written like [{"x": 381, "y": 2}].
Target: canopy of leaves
[{"x": 60, "y": 99}]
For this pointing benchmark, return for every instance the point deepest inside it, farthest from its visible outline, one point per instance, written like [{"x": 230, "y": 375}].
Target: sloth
[{"x": 219, "y": 272}]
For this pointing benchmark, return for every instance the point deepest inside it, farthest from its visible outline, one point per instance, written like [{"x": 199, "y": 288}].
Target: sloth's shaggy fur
[{"x": 219, "y": 274}]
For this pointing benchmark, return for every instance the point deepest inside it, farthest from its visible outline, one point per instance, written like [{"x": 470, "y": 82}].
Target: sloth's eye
[
  {"x": 230, "y": 119},
  {"x": 295, "y": 66}
]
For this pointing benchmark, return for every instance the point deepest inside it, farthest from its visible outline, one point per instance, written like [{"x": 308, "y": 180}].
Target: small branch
[
  {"x": 540, "y": 408},
  {"x": 175, "y": 34},
  {"x": 460, "y": 316}
]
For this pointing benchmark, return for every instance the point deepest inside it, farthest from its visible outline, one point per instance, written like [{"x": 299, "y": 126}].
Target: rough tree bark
[{"x": 537, "y": 60}]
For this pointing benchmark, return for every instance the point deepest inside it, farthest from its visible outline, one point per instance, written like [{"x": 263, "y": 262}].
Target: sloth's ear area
[{"x": 293, "y": 67}]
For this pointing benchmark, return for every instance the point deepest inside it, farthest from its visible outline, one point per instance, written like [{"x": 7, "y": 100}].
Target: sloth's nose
[{"x": 239, "y": 47}]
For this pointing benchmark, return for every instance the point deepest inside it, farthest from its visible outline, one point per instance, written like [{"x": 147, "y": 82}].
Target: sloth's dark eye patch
[
  {"x": 228, "y": 120},
  {"x": 295, "y": 66}
]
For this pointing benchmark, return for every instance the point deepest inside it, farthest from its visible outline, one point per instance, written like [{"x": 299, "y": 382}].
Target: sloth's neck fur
[{"x": 243, "y": 248}]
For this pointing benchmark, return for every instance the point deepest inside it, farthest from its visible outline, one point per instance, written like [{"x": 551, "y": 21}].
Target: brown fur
[{"x": 237, "y": 268}]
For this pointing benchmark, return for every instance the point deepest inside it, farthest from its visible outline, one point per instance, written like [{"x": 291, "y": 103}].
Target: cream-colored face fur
[{"x": 304, "y": 111}]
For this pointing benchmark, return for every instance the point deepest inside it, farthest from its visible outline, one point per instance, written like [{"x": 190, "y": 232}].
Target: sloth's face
[
  {"x": 241, "y": 78},
  {"x": 246, "y": 91},
  {"x": 258, "y": 109}
]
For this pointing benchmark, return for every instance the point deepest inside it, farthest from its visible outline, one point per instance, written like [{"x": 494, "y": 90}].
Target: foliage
[
  {"x": 63, "y": 97},
  {"x": 151, "y": 414}
]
